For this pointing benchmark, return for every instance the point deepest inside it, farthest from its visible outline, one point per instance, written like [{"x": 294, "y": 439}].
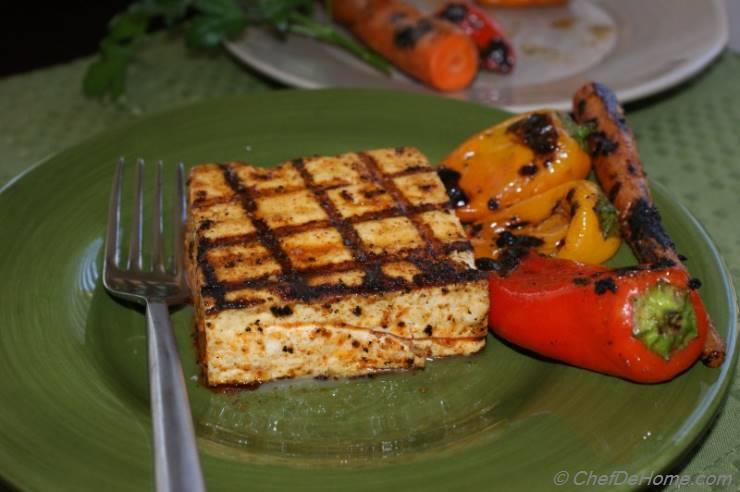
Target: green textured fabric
[
  {"x": 44, "y": 112},
  {"x": 689, "y": 139}
]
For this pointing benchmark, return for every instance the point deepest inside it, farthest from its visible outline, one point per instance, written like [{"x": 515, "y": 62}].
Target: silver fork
[{"x": 176, "y": 464}]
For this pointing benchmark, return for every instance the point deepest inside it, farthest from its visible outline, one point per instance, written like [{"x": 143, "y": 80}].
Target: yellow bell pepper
[
  {"x": 573, "y": 220},
  {"x": 514, "y": 160}
]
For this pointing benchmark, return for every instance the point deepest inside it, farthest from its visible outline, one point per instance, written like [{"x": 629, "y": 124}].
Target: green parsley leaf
[
  {"x": 579, "y": 132},
  {"x": 209, "y": 31},
  {"x": 213, "y": 22},
  {"x": 127, "y": 26},
  {"x": 107, "y": 74},
  {"x": 608, "y": 217}
]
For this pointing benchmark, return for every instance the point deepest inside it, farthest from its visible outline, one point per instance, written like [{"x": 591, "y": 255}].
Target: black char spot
[
  {"x": 601, "y": 145},
  {"x": 644, "y": 224},
  {"x": 605, "y": 284},
  {"x": 451, "y": 179},
  {"x": 614, "y": 191},
  {"x": 507, "y": 239},
  {"x": 694, "y": 283},
  {"x": 609, "y": 99},
  {"x": 281, "y": 311},
  {"x": 498, "y": 56},
  {"x": 454, "y": 12},
  {"x": 528, "y": 170},
  {"x": 487, "y": 264},
  {"x": 662, "y": 263},
  {"x": 408, "y": 36},
  {"x": 537, "y": 132}
]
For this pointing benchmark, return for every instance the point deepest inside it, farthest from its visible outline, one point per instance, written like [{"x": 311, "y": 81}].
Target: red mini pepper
[
  {"x": 496, "y": 52},
  {"x": 645, "y": 324}
]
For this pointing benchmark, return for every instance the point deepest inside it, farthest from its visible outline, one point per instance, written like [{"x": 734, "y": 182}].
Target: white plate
[{"x": 637, "y": 47}]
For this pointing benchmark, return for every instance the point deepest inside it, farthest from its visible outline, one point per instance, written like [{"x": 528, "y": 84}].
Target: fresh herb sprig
[
  {"x": 579, "y": 132},
  {"x": 206, "y": 23},
  {"x": 608, "y": 217}
]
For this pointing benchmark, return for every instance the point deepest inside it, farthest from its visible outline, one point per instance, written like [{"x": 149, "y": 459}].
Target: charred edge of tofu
[
  {"x": 293, "y": 288},
  {"x": 435, "y": 269}
]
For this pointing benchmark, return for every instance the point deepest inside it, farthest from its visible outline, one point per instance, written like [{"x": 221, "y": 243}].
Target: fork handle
[{"x": 176, "y": 464}]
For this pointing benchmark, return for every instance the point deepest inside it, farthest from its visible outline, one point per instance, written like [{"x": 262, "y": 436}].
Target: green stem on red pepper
[{"x": 664, "y": 319}]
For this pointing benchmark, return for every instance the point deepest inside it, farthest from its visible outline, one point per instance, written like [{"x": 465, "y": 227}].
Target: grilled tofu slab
[{"x": 329, "y": 266}]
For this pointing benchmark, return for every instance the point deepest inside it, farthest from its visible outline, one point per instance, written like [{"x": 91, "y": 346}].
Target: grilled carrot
[
  {"x": 618, "y": 168},
  {"x": 433, "y": 51}
]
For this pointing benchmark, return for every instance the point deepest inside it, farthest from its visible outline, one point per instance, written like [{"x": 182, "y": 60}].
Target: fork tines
[{"x": 113, "y": 243}]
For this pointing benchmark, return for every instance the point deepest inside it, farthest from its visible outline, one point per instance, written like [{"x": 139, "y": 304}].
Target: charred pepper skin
[
  {"x": 526, "y": 175},
  {"x": 496, "y": 51},
  {"x": 586, "y": 316},
  {"x": 514, "y": 160},
  {"x": 567, "y": 218}
]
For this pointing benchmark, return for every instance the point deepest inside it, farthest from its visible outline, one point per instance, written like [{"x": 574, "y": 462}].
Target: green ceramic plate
[{"x": 73, "y": 379}]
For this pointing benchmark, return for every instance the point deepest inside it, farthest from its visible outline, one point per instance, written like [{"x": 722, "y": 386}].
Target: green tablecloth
[{"x": 694, "y": 129}]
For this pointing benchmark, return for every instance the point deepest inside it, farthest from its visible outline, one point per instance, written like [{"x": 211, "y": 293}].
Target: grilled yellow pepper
[
  {"x": 522, "y": 183},
  {"x": 573, "y": 220},
  {"x": 514, "y": 160}
]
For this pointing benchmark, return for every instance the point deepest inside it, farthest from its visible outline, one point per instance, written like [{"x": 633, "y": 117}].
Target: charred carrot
[
  {"x": 617, "y": 165},
  {"x": 619, "y": 170},
  {"x": 644, "y": 324},
  {"x": 431, "y": 50},
  {"x": 495, "y": 49}
]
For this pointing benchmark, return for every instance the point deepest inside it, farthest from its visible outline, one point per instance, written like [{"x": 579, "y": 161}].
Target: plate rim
[
  {"x": 689, "y": 68},
  {"x": 675, "y": 76},
  {"x": 705, "y": 413}
]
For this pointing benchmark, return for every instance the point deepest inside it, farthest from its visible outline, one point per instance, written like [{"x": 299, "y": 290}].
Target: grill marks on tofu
[
  {"x": 319, "y": 240},
  {"x": 421, "y": 189},
  {"x": 233, "y": 263},
  {"x": 359, "y": 200},
  {"x": 389, "y": 235},
  {"x": 329, "y": 226},
  {"x": 295, "y": 208}
]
